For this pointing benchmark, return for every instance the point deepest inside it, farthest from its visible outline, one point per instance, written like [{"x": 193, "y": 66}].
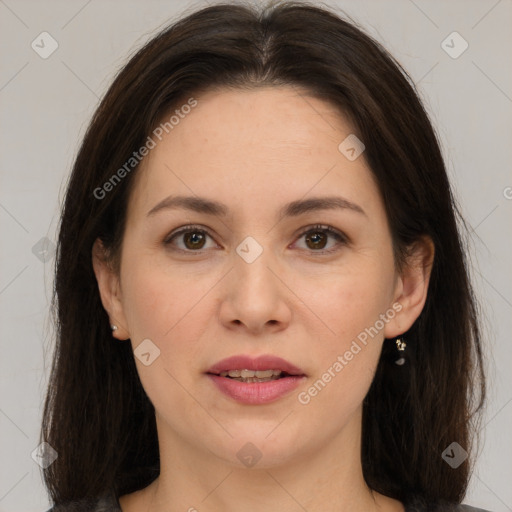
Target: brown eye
[
  {"x": 317, "y": 239},
  {"x": 188, "y": 239},
  {"x": 194, "y": 240}
]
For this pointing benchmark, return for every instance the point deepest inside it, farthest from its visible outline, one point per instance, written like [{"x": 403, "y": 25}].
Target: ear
[
  {"x": 412, "y": 287},
  {"x": 110, "y": 290}
]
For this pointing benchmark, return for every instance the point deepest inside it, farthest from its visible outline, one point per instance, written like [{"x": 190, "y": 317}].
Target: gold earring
[{"x": 400, "y": 345}]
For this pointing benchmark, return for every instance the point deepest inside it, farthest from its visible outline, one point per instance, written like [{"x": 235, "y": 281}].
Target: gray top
[{"x": 110, "y": 503}]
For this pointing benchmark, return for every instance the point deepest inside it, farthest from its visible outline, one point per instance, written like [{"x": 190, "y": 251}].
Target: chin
[{"x": 259, "y": 448}]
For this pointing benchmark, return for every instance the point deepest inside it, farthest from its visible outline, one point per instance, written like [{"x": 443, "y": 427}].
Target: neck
[{"x": 326, "y": 478}]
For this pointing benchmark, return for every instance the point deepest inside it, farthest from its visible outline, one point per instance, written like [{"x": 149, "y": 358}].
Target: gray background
[{"x": 46, "y": 105}]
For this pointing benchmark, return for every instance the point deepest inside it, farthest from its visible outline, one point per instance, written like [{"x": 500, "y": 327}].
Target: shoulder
[{"x": 106, "y": 503}]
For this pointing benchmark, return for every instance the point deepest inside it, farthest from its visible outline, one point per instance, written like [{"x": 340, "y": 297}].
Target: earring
[
  {"x": 400, "y": 345},
  {"x": 113, "y": 327}
]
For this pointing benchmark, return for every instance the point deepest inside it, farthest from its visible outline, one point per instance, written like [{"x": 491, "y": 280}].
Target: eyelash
[{"x": 340, "y": 237}]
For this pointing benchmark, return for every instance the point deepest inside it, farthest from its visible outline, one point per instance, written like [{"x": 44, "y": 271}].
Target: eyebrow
[{"x": 293, "y": 209}]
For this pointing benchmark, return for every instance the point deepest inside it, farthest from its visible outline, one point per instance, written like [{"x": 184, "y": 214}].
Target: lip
[
  {"x": 256, "y": 393},
  {"x": 264, "y": 362}
]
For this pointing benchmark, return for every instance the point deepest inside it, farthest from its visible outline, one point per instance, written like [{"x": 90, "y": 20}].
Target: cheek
[
  {"x": 350, "y": 305},
  {"x": 147, "y": 303},
  {"x": 349, "y": 300},
  {"x": 166, "y": 307},
  {"x": 346, "y": 360}
]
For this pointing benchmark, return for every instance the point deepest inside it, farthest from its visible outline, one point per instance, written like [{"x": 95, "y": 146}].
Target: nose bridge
[
  {"x": 252, "y": 273},
  {"x": 256, "y": 296}
]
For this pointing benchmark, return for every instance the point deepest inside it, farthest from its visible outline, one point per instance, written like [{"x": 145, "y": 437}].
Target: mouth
[
  {"x": 262, "y": 368},
  {"x": 255, "y": 380},
  {"x": 254, "y": 375}
]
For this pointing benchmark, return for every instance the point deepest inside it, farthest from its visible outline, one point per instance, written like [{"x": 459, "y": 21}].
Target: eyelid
[
  {"x": 333, "y": 232},
  {"x": 342, "y": 238},
  {"x": 186, "y": 229}
]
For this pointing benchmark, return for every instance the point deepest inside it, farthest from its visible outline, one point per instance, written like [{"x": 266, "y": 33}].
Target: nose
[{"x": 255, "y": 297}]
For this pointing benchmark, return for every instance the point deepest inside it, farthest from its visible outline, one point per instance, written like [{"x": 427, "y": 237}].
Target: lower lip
[{"x": 256, "y": 392}]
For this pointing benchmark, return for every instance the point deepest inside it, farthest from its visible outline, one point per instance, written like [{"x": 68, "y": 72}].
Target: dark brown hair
[{"x": 97, "y": 415}]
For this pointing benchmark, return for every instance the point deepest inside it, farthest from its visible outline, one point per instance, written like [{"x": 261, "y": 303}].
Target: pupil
[
  {"x": 194, "y": 238},
  {"x": 317, "y": 238}
]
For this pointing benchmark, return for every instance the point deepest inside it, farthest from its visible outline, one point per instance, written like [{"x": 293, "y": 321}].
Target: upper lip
[{"x": 263, "y": 362}]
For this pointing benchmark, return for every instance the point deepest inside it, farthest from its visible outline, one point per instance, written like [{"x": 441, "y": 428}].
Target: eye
[
  {"x": 317, "y": 238},
  {"x": 193, "y": 237}
]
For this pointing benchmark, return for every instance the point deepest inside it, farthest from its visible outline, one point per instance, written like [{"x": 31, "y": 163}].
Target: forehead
[
  {"x": 262, "y": 118},
  {"x": 262, "y": 142}
]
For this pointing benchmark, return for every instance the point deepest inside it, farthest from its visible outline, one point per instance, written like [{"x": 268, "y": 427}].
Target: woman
[{"x": 262, "y": 297}]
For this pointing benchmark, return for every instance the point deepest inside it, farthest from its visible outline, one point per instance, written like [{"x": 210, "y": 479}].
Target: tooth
[
  {"x": 262, "y": 374},
  {"x": 256, "y": 379},
  {"x": 252, "y": 375}
]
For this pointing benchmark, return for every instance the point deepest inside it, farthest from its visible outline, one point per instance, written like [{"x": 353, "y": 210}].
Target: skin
[{"x": 254, "y": 151}]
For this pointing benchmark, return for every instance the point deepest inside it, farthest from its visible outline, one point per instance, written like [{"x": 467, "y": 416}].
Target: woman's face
[{"x": 257, "y": 279}]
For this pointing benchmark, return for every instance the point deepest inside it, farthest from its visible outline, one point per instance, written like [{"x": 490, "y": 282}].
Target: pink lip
[
  {"x": 255, "y": 393},
  {"x": 265, "y": 362}
]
